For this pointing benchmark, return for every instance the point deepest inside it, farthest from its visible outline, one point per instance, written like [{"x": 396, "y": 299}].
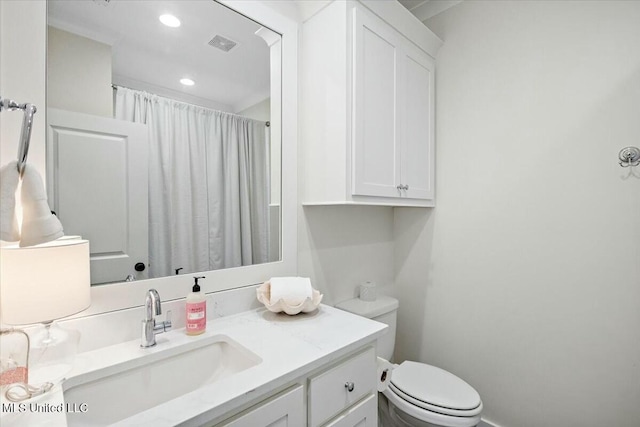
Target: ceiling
[
  {"x": 412, "y": 4},
  {"x": 148, "y": 54},
  {"x": 425, "y": 9}
]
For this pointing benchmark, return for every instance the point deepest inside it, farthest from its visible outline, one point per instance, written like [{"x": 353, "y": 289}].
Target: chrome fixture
[
  {"x": 27, "y": 125},
  {"x": 152, "y": 308},
  {"x": 629, "y": 156}
]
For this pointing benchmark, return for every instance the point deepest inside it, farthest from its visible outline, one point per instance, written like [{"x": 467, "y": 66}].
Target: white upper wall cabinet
[
  {"x": 367, "y": 99},
  {"x": 416, "y": 110},
  {"x": 376, "y": 84}
]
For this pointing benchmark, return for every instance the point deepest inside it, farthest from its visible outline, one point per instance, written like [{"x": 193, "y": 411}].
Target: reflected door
[{"x": 97, "y": 184}]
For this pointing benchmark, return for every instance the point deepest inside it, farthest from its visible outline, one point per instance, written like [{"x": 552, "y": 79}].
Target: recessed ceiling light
[
  {"x": 187, "y": 82},
  {"x": 170, "y": 21}
]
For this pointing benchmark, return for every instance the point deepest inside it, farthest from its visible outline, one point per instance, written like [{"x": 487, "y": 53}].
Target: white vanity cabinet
[
  {"x": 255, "y": 369},
  {"x": 341, "y": 394},
  {"x": 285, "y": 409},
  {"x": 367, "y": 102}
]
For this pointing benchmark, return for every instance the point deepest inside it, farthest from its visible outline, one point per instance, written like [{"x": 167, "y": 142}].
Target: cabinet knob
[
  {"x": 349, "y": 386},
  {"x": 406, "y": 187}
]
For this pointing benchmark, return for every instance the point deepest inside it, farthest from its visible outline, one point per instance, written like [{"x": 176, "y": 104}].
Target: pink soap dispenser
[{"x": 196, "y": 310}]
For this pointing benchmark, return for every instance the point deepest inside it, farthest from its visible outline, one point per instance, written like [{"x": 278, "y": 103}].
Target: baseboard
[{"x": 487, "y": 423}]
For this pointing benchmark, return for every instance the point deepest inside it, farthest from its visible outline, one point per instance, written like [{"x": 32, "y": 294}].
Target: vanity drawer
[
  {"x": 283, "y": 410},
  {"x": 362, "y": 414},
  {"x": 329, "y": 391}
]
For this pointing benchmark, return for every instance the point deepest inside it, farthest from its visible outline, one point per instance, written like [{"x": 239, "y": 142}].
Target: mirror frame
[{"x": 119, "y": 296}]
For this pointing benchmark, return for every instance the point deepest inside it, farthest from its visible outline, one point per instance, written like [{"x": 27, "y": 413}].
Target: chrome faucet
[{"x": 152, "y": 307}]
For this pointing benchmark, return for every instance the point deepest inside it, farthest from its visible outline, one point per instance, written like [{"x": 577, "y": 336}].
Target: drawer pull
[{"x": 349, "y": 386}]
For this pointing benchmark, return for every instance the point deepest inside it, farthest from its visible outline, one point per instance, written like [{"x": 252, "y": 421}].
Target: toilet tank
[{"x": 383, "y": 309}]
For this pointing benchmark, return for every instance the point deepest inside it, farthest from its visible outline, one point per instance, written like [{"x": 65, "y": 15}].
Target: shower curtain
[{"x": 208, "y": 184}]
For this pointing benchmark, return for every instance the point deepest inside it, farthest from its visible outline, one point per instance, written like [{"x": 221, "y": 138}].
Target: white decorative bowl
[{"x": 264, "y": 296}]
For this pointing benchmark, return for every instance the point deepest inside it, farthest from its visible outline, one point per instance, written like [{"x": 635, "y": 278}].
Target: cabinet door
[
  {"x": 375, "y": 150},
  {"x": 364, "y": 414},
  {"x": 332, "y": 391},
  {"x": 283, "y": 410},
  {"x": 416, "y": 112}
]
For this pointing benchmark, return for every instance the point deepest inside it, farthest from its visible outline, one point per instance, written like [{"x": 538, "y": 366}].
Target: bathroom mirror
[
  {"x": 250, "y": 100},
  {"x": 202, "y": 84}
]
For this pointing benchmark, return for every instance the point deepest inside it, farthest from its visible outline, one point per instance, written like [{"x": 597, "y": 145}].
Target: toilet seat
[{"x": 433, "y": 395}]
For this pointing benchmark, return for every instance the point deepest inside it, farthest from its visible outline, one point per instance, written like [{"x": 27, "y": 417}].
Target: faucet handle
[
  {"x": 165, "y": 326},
  {"x": 167, "y": 322}
]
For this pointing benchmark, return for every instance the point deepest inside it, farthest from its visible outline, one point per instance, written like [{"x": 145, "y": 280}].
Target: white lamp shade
[{"x": 45, "y": 282}]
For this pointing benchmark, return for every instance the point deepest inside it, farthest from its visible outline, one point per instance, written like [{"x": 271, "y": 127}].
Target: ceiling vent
[{"x": 222, "y": 43}]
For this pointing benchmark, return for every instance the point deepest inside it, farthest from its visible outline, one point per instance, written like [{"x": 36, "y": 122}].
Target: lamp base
[
  {"x": 19, "y": 392},
  {"x": 14, "y": 356},
  {"x": 53, "y": 350}
]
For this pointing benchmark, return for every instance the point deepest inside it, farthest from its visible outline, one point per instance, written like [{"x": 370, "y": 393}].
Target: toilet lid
[{"x": 434, "y": 387}]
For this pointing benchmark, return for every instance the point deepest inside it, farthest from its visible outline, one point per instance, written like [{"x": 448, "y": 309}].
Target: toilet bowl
[
  {"x": 418, "y": 395},
  {"x": 422, "y": 395}
]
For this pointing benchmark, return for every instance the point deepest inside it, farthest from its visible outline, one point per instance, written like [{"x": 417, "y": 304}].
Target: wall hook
[{"x": 629, "y": 156}]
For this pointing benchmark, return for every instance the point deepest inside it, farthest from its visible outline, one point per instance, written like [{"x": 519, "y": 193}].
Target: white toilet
[{"x": 419, "y": 395}]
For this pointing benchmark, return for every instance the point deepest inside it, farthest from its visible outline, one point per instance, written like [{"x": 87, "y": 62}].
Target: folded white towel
[
  {"x": 39, "y": 225},
  {"x": 292, "y": 290},
  {"x": 9, "y": 178}
]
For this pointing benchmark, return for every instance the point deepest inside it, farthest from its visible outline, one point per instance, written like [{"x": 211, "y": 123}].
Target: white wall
[
  {"x": 22, "y": 75},
  {"x": 525, "y": 278},
  {"x": 78, "y": 74},
  {"x": 340, "y": 247},
  {"x": 297, "y": 10},
  {"x": 260, "y": 111}
]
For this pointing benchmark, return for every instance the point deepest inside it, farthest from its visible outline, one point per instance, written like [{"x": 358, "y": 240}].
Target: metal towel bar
[{"x": 27, "y": 124}]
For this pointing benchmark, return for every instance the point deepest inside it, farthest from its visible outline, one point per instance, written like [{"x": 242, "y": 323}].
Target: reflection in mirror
[{"x": 164, "y": 177}]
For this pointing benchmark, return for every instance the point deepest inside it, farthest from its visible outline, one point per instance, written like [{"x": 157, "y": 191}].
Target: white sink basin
[{"x": 114, "y": 393}]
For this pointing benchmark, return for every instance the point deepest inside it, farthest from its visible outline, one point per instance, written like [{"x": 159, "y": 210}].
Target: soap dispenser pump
[{"x": 196, "y": 309}]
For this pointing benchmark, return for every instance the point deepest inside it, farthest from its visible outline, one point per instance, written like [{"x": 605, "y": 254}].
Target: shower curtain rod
[{"x": 114, "y": 86}]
